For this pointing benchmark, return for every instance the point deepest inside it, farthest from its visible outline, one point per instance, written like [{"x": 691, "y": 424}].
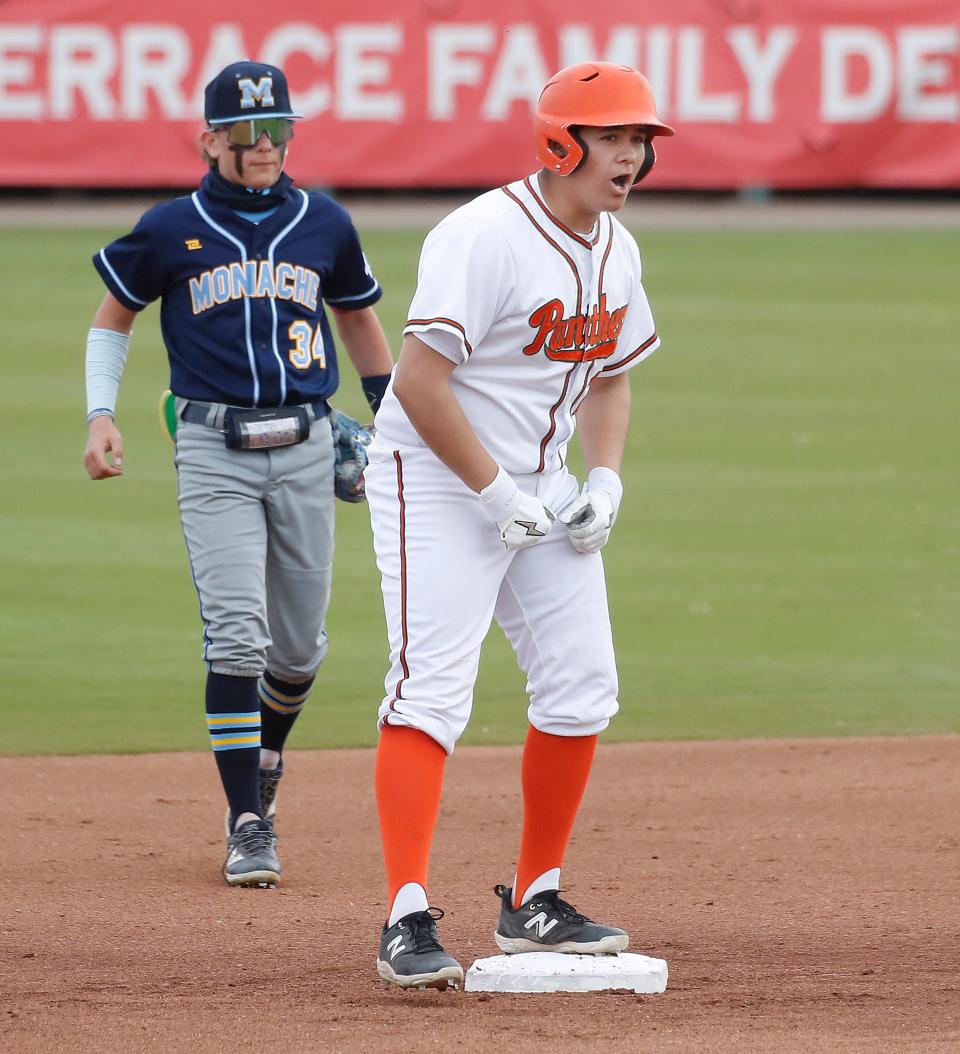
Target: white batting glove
[
  {"x": 590, "y": 518},
  {"x": 522, "y": 519}
]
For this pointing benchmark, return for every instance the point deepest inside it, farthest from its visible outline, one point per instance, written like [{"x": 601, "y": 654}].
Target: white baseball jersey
[{"x": 531, "y": 312}]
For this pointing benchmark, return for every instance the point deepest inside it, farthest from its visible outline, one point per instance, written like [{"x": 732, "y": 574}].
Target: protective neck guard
[{"x": 235, "y": 196}]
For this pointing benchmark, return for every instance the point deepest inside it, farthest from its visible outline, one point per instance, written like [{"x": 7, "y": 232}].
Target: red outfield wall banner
[{"x": 797, "y": 93}]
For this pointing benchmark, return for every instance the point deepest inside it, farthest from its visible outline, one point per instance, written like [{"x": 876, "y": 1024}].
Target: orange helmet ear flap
[{"x": 548, "y": 133}]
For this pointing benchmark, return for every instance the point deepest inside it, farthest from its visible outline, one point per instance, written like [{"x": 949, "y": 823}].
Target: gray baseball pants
[{"x": 258, "y": 526}]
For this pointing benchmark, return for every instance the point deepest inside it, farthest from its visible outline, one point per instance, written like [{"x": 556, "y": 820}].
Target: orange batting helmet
[{"x": 597, "y": 94}]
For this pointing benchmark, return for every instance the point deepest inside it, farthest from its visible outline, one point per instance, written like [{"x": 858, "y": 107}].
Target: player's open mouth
[{"x": 622, "y": 183}]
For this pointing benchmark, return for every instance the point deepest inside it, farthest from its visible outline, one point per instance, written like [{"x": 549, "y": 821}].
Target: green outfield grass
[{"x": 786, "y": 561}]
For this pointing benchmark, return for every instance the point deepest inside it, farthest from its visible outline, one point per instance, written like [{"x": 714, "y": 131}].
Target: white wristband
[
  {"x": 106, "y": 357},
  {"x": 607, "y": 480},
  {"x": 499, "y": 497}
]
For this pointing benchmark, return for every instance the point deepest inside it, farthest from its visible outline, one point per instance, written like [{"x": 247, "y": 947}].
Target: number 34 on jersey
[{"x": 306, "y": 345}]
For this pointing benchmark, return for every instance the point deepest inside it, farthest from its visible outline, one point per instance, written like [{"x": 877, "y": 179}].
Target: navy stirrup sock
[{"x": 233, "y": 720}]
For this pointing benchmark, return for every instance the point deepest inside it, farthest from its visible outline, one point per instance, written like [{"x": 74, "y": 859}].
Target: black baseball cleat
[
  {"x": 548, "y": 924},
  {"x": 252, "y": 855},
  {"x": 412, "y": 956}
]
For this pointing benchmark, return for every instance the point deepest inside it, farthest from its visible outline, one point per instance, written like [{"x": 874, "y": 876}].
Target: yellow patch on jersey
[{"x": 193, "y": 243}]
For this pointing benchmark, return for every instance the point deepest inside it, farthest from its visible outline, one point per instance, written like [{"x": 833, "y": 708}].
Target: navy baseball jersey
[{"x": 242, "y": 303}]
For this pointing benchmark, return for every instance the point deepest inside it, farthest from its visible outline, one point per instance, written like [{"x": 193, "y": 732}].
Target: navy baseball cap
[{"x": 246, "y": 90}]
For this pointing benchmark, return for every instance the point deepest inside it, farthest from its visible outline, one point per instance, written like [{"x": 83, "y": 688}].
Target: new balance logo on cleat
[
  {"x": 412, "y": 956},
  {"x": 543, "y": 925},
  {"x": 548, "y": 924}
]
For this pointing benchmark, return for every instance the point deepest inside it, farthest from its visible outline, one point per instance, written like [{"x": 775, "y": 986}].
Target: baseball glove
[{"x": 350, "y": 442}]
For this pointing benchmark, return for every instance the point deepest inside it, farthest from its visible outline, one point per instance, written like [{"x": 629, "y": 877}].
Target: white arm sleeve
[{"x": 106, "y": 357}]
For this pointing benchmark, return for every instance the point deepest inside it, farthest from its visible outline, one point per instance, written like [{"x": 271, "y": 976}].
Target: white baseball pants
[{"x": 445, "y": 574}]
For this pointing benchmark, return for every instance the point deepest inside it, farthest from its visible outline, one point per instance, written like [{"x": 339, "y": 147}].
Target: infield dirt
[{"x": 804, "y": 893}]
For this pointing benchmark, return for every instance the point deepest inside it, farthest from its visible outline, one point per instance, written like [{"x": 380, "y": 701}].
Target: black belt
[{"x": 197, "y": 413}]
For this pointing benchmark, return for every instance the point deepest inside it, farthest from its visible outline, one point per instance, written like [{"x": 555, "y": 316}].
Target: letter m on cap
[{"x": 253, "y": 92}]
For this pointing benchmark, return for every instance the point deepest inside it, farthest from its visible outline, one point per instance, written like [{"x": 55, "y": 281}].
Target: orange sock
[
  {"x": 554, "y": 776},
  {"x": 409, "y": 777}
]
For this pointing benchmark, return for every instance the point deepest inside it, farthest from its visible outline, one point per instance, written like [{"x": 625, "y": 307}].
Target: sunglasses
[{"x": 247, "y": 133}]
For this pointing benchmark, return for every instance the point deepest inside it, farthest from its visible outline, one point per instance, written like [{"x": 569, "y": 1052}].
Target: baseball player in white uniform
[{"x": 528, "y": 313}]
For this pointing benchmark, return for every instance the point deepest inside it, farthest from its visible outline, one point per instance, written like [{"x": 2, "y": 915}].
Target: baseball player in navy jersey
[
  {"x": 528, "y": 313},
  {"x": 242, "y": 268}
]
